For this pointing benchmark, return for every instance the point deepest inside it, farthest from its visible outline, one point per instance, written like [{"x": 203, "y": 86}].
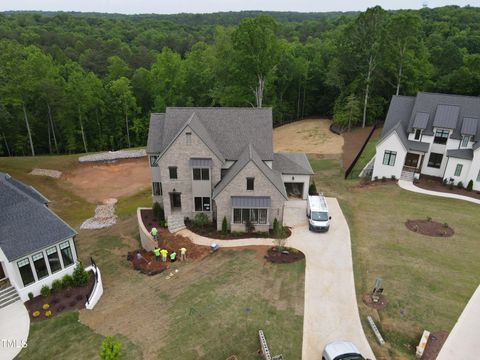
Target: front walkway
[
  {"x": 14, "y": 328},
  {"x": 408, "y": 185},
  {"x": 331, "y": 311}
]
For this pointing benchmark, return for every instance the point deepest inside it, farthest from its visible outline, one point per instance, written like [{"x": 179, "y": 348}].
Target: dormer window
[
  {"x": 418, "y": 134},
  {"x": 441, "y": 136},
  {"x": 465, "y": 140}
]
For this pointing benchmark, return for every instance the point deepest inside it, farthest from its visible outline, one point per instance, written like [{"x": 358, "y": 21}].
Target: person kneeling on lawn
[
  {"x": 164, "y": 253},
  {"x": 183, "y": 254},
  {"x": 173, "y": 256},
  {"x": 156, "y": 251}
]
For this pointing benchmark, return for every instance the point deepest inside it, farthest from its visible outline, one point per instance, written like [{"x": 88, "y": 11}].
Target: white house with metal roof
[
  {"x": 431, "y": 134},
  {"x": 220, "y": 161},
  {"x": 36, "y": 246}
]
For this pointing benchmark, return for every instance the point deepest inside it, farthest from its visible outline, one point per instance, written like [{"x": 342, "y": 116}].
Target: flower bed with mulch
[
  {"x": 429, "y": 227},
  {"x": 436, "y": 184},
  {"x": 60, "y": 301},
  {"x": 284, "y": 256}
]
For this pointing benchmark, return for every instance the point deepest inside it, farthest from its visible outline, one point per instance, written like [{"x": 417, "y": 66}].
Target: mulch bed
[
  {"x": 435, "y": 184},
  {"x": 382, "y": 301},
  {"x": 288, "y": 255},
  {"x": 149, "y": 220},
  {"x": 61, "y": 301},
  {"x": 429, "y": 227},
  {"x": 434, "y": 345}
]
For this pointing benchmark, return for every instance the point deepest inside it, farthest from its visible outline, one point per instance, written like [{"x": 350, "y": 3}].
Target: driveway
[
  {"x": 14, "y": 327},
  {"x": 331, "y": 311}
]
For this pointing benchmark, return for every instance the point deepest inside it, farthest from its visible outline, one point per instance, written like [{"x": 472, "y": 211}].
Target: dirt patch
[
  {"x": 434, "y": 345},
  {"x": 285, "y": 256},
  {"x": 97, "y": 181},
  {"x": 436, "y": 184},
  {"x": 353, "y": 142},
  {"x": 60, "y": 301},
  {"x": 429, "y": 227},
  {"x": 379, "y": 305},
  {"x": 311, "y": 136}
]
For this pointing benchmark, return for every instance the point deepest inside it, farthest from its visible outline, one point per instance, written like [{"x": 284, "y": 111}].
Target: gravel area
[
  {"x": 113, "y": 155},
  {"x": 45, "y": 172},
  {"x": 104, "y": 216}
]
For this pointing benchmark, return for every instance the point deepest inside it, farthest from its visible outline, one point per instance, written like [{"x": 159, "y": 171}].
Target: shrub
[
  {"x": 45, "y": 306},
  {"x": 445, "y": 181},
  {"x": 80, "y": 276},
  {"x": 67, "y": 281},
  {"x": 45, "y": 291},
  {"x": 224, "y": 226},
  {"x": 445, "y": 225},
  {"x": 56, "y": 285},
  {"x": 384, "y": 178},
  {"x": 36, "y": 314},
  {"x": 48, "y": 313},
  {"x": 111, "y": 349},
  {"x": 201, "y": 220},
  {"x": 460, "y": 185},
  {"x": 158, "y": 212},
  {"x": 393, "y": 177},
  {"x": 312, "y": 189},
  {"x": 375, "y": 178},
  {"x": 277, "y": 229},
  {"x": 429, "y": 218},
  {"x": 30, "y": 295},
  {"x": 470, "y": 185}
]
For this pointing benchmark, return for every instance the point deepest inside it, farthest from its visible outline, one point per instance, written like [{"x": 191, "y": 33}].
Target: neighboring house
[
  {"x": 36, "y": 246},
  {"x": 220, "y": 161},
  {"x": 431, "y": 134}
]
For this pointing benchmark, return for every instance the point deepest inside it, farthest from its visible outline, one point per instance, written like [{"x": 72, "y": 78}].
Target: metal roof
[
  {"x": 251, "y": 201},
  {"x": 446, "y": 116},
  {"x": 421, "y": 120},
  {"x": 466, "y": 154},
  {"x": 469, "y": 126}
]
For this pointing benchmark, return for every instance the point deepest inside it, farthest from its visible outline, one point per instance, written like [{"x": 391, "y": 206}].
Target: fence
[{"x": 354, "y": 162}]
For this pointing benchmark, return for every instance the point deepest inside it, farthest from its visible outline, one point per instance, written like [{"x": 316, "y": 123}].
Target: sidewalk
[{"x": 408, "y": 185}]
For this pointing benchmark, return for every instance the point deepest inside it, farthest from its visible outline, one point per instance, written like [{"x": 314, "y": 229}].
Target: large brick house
[{"x": 220, "y": 161}]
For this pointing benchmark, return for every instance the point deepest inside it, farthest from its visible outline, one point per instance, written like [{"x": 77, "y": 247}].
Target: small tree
[
  {"x": 224, "y": 226},
  {"x": 80, "y": 276},
  {"x": 470, "y": 185},
  {"x": 111, "y": 349},
  {"x": 158, "y": 212},
  {"x": 278, "y": 235},
  {"x": 312, "y": 190}
]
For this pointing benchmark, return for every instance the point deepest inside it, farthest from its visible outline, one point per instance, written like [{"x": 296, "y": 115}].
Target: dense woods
[{"x": 87, "y": 82}]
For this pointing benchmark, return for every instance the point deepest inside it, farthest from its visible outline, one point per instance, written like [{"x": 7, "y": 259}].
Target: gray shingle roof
[
  {"x": 26, "y": 224},
  {"x": 421, "y": 120},
  {"x": 446, "y": 116},
  {"x": 292, "y": 163},
  {"x": 469, "y": 126},
  {"x": 250, "y": 154},
  {"x": 461, "y": 153},
  {"x": 230, "y": 129}
]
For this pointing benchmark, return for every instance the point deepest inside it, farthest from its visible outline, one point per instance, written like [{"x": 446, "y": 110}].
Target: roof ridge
[
  {"x": 443, "y": 94},
  {"x": 220, "y": 107}
]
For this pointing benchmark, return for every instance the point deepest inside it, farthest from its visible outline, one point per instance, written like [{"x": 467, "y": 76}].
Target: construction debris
[
  {"x": 113, "y": 155},
  {"x": 46, "y": 172},
  {"x": 104, "y": 216}
]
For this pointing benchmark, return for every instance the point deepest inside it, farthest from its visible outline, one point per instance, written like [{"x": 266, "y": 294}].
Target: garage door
[{"x": 294, "y": 189}]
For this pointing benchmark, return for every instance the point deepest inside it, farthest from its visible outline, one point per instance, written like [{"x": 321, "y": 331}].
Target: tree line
[{"x": 78, "y": 83}]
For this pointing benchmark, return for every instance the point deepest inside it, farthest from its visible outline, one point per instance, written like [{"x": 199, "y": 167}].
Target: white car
[{"x": 341, "y": 350}]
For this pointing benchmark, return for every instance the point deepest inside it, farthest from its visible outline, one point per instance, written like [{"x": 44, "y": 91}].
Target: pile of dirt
[
  {"x": 285, "y": 256},
  {"x": 434, "y": 345},
  {"x": 379, "y": 305},
  {"x": 60, "y": 301},
  {"x": 429, "y": 227}
]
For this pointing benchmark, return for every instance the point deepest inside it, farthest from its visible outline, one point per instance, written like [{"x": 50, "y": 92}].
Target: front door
[
  {"x": 411, "y": 160},
  {"x": 176, "y": 201}
]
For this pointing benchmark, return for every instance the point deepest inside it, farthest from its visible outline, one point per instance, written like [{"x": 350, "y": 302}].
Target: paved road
[
  {"x": 14, "y": 328},
  {"x": 331, "y": 311}
]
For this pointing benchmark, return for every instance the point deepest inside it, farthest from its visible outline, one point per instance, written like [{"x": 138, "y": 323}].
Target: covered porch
[{"x": 412, "y": 165}]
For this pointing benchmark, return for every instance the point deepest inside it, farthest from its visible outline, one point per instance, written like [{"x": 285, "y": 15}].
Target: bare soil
[
  {"x": 353, "y": 142},
  {"x": 382, "y": 302},
  {"x": 311, "y": 136},
  {"x": 436, "y": 184},
  {"x": 60, "y": 301},
  {"x": 97, "y": 181},
  {"x": 429, "y": 227},
  {"x": 434, "y": 345},
  {"x": 285, "y": 256}
]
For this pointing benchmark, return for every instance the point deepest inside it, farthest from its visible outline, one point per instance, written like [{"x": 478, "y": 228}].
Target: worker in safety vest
[
  {"x": 173, "y": 256},
  {"x": 164, "y": 253},
  {"x": 154, "y": 233},
  {"x": 156, "y": 251},
  {"x": 183, "y": 254}
]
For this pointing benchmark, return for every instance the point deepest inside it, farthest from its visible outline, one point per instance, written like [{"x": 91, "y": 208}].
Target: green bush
[
  {"x": 67, "y": 281},
  {"x": 80, "y": 276},
  {"x": 312, "y": 189},
  {"x": 470, "y": 185},
  {"x": 200, "y": 220},
  {"x": 45, "y": 291},
  {"x": 30, "y": 295},
  {"x": 57, "y": 285},
  {"x": 158, "y": 212},
  {"x": 460, "y": 185},
  {"x": 277, "y": 229},
  {"x": 111, "y": 349},
  {"x": 224, "y": 226}
]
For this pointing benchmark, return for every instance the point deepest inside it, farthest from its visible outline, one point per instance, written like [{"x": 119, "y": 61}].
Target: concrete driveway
[
  {"x": 14, "y": 327},
  {"x": 331, "y": 311}
]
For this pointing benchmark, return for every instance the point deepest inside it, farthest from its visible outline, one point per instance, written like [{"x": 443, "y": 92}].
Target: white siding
[
  {"x": 475, "y": 170},
  {"x": 391, "y": 143},
  {"x": 450, "y": 171}
]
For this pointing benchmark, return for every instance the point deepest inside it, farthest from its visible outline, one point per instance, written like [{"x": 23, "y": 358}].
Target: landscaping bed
[
  {"x": 284, "y": 256},
  {"x": 436, "y": 184},
  {"x": 429, "y": 227},
  {"x": 60, "y": 301}
]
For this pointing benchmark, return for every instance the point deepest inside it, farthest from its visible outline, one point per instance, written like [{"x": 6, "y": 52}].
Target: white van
[
  {"x": 317, "y": 213},
  {"x": 341, "y": 350}
]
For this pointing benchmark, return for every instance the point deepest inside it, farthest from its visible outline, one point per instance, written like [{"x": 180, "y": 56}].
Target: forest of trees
[{"x": 87, "y": 82}]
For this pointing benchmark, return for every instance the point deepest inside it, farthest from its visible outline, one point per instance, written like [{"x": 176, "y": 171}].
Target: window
[
  {"x": 188, "y": 137},
  {"x": 250, "y": 183},
  {"x": 156, "y": 188},
  {"x": 441, "y": 136},
  {"x": 465, "y": 141},
  {"x": 458, "y": 169},
  {"x": 478, "y": 176},
  {"x": 53, "y": 259},
  {"x": 67, "y": 256},
  {"x": 40, "y": 265},
  {"x": 153, "y": 161},
  {"x": 202, "y": 204},
  {"x": 389, "y": 157},
  {"x": 255, "y": 216},
  {"x": 25, "y": 272},
  {"x": 435, "y": 160},
  {"x": 173, "y": 172},
  {"x": 418, "y": 133},
  {"x": 201, "y": 174}
]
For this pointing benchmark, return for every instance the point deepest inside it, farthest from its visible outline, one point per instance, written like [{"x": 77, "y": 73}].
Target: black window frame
[
  {"x": 28, "y": 266},
  {"x": 418, "y": 134},
  {"x": 250, "y": 183},
  {"x": 65, "y": 251},
  {"x": 153, "y": 160},
  {"x": 172, "y": 172},
  {"x": 40, "y": 265},
  {"x": 433, "y": 163},
  {"x": 441, "y": 136},
  {"x": 388, "y": 155},
  {"x": 254, "y": 215},
  {"x": 201, "y": 174},
  {"x": 52, "y": 261},
  {"x": 157, "y": 188},
  {"x": 202, "y": 203}
]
